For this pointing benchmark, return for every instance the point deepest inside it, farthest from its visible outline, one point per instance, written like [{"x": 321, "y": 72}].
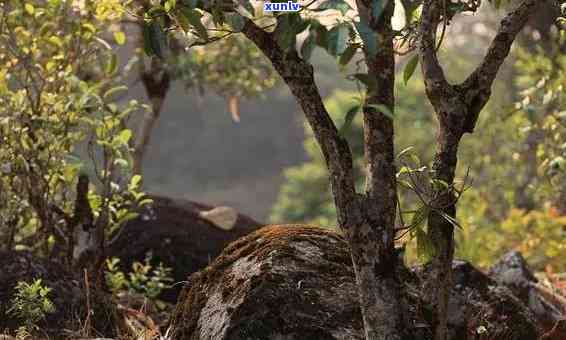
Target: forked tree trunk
[
  {"x": 457, "y": 108},
  {"x": 367, "y": 220}
]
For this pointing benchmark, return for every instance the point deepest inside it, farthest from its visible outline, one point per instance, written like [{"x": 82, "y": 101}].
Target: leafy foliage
[
  {"x": 58, "y": 93},
  {"x": 229, "y": 67},
  {"x": 144, "y": 278},
  {"x": 31, "y": 304},
  {"x": 522, "y": 206}
]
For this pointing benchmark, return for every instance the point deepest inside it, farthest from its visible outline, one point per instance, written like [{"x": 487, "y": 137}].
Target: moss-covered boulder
[{"x": 297, "y": 282}]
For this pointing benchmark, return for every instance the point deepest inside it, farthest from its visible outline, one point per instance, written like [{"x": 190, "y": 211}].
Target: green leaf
[
  {"x": 169, "y": 5},
  {"x": 193, "y": 16},
  {"x": 135, "y": 181},
  {"x": 29, "y": 8},
  {"x": 112, "y": 65},
  {"x": 557, "y": 163},
  {"x": 350, "y": 115},
  {"x": 55, "y": 40},
  {"x": 155, "y": 40},
  {"x": 286, "y": 39},
  {"x": 123, "y": 137},
  {"x": 217, "y": 13},
  {"x": 308, "y": 47},
  {"x": 339, "y": 5},
  {"x": 114, "y": 90},
  {"x": 420, "y": 216},
  {"x": 288, "y": 26},
  {"x": 337, "y": 39},
  {"x": 127, "y": 217},
  {"x": 147, "y": 47},
  {"x": 183, "y": 22},
  {"x": 405, "y": 151},
  {"x": 450, "y": 219},
  {"x": 284, "y": 34},
  {"x": 425, "y": 247},
  {"x": 410, "y": 68},
  {"x": 156, "y": 12},
  {"x": 383, "y": 109},
  {"x": 320, "y": 32},
  {"x": 120, "y": 37},
  {"x": 48, "y": 27},
  {"x": 377, "y": 7},
  {"x": 368, "y": 36},
  {"x": 190, "y": 3}
]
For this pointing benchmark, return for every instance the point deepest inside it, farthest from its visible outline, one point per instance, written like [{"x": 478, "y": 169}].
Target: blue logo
[{"x": 289, "y": 6}]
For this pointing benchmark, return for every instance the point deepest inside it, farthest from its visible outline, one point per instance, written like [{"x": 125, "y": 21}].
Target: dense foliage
[{"x": 58, "y": 91}]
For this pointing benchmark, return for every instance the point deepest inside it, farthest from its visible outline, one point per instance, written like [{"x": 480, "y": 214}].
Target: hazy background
[{"x": 198, "y": 152}]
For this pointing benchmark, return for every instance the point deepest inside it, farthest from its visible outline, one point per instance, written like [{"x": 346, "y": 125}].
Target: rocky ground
[{"x": 278, "y": 282}]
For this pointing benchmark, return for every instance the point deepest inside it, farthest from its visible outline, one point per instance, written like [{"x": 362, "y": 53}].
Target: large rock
[
  {"x": 296, "y": 282},
  {"x": 513, "y": 271},
  {"x": 67, "y": 295},
  {"x": 178, "y": 233}
]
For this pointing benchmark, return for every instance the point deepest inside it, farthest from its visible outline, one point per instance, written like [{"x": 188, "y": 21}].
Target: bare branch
[
  {"x": 477, "y": 86},
  {"x": 433, "y": 73},
  {"x": 298, "y": 74}
]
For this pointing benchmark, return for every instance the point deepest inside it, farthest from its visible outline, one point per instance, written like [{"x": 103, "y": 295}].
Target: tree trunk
[
  {"x": 380, "y": 201},
  {"x": 441, "y": 231},
  {"x": 367, "y": 233},
  {"x": 156, "y": 82},
  {"x": 457, "y": 108}
]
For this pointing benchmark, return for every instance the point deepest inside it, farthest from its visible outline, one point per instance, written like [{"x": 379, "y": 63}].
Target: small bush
[
  {"x": 144, "y": 278},
  {"x": 30, "y": 304}
]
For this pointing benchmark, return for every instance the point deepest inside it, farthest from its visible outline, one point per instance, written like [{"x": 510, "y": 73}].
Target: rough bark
[
  {"x": 457, "y": 108},
  {"x": 298, "y": 282},
  {"x": 156, "y": 82},
  {"x": 176, "y": 234},
  {"x": 370, "y": 246},
  {"x": 380, "y": 201},
  {"x": 84, "y": 243},
  {"x": 88, "y": 246}
]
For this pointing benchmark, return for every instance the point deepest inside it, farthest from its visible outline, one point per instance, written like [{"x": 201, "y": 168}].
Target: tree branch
[
  {"x": 298, "y": 75},
  {"x": 477, "y": 87},
  {"x": 435, "y": 80},
  {"x": 381, "y": 185}
]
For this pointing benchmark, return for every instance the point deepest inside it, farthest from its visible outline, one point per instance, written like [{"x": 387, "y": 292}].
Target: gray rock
[
  {"x": 297, "y": 282},
  {"x": 512, "y": 271}
]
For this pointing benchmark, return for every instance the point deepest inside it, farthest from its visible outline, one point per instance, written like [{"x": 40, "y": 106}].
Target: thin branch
[
  {"x": 478, "y": 84},
  {"x": 433, "y": 73},
  {"x": 298, "y": 74}
]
